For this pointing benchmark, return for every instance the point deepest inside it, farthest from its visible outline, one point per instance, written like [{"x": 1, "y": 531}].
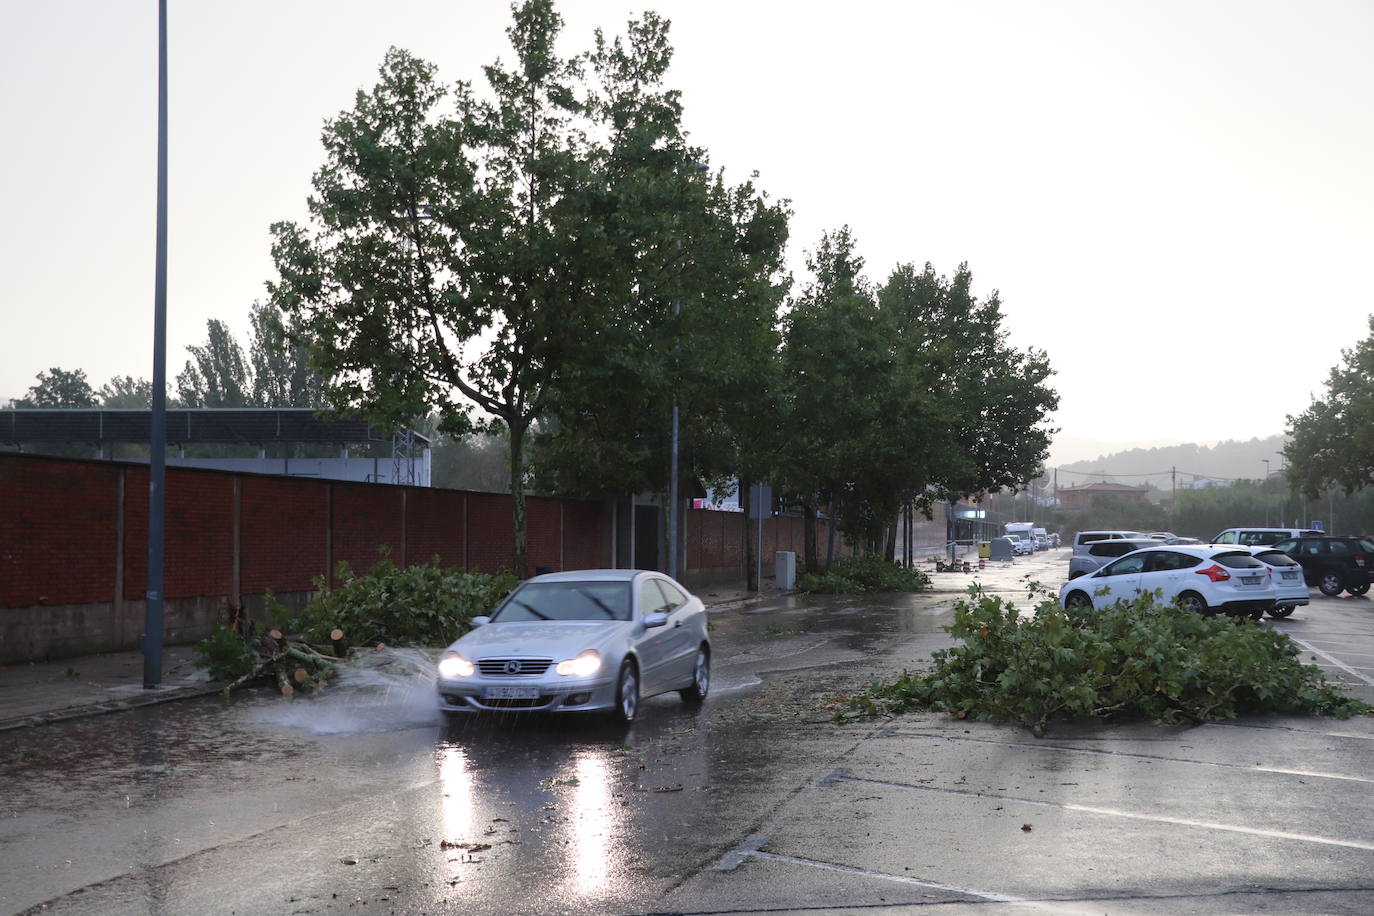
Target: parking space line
[
  {"x": 903, "y": 879},
  {"x": 1148, "y": 757},
  {"x": 1128, "y": 815},
  {"x": 1336, "y": 662}
]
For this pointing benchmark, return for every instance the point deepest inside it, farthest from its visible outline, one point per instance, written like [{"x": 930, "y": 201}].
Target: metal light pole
[
  {"x": 672, "y": 463},
  {"x": 157, "y": 455}
]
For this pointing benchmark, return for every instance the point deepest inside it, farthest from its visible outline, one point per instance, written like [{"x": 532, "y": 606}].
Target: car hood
[{"x": 542, "y": 638}]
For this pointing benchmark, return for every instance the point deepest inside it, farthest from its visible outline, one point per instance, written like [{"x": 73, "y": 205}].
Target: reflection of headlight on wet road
[
  {"x": 451, "y": 666},
  {"x": 455, "y": 785},
  {"x": 585, "y": 665},
  {"x": 593, "y": 826}
]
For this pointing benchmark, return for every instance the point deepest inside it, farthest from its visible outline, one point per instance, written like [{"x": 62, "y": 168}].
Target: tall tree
[
  {"x": 1332, "y": 442},
  {"x": 835, "y": 360},
  {"x": 59, "y": 388},
  {"x": 470, "y": 252},
  {"x": 280, "y": 363},
  {"x": 127, "y": 392},
  {"x": 989, "y": 399},
  {"x": 217, "y": 374}
]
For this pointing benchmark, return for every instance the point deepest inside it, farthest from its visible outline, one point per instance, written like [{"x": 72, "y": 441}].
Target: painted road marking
[
  {"x": 1256, "y": 768},
  {"x": 1333, "y": 660},
  {"x": 917, "y": 882},
  {"x": 1131, "y": 815}
]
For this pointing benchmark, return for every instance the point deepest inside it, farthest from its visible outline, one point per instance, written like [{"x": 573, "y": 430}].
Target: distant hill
[{"x": 1226, "y": 460}]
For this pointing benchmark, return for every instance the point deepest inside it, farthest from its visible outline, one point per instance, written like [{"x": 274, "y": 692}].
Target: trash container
[{"x": 984, "y": 550}]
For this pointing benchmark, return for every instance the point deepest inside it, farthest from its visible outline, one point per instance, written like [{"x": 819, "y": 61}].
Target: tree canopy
[
  {"x": 905, "y": 393},
  {"x": 481, "y": 251},
  {"x": 1332, "y": 442}
]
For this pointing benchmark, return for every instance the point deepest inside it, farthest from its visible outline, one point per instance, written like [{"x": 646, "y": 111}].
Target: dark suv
[{"x": 1333, "y": 563}]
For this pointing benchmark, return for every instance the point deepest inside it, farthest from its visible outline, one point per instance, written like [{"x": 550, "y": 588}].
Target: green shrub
[
  {"x": 856, "y": 575},
  {"x": 1143, "y": 659},
  {"x": 226, "y": 654},
  {"x": 417, "y": 606}
]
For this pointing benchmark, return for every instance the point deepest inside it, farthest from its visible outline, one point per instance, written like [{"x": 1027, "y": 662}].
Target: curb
[{"x": 97, "y": 709}]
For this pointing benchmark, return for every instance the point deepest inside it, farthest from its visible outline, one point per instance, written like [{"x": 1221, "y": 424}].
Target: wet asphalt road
[{"x": 757, "y": 802}]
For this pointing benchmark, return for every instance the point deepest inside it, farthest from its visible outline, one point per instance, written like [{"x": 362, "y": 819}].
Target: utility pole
[
  {"x": 1173, "y": 486},
  {"x": 157, "y": 454}
]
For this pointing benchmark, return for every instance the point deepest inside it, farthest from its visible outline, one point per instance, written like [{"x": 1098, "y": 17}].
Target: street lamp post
[{"x": 672, "y": 463}]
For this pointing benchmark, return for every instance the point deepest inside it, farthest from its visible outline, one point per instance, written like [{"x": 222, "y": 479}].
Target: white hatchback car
[
  {"x": 593, "y": 640},
  {"x": 1206, "y": 579},
  {"x": 1290, "y": 587}
]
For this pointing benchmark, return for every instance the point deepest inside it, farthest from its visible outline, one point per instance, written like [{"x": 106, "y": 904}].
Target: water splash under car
[{"x": 598, "y": 640}]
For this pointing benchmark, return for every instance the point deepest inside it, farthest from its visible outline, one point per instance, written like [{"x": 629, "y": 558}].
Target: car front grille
[{"x": 513, "y": 667}]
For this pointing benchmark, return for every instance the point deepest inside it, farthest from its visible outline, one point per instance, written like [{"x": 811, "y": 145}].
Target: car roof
[{"x": 593, "y": 575}]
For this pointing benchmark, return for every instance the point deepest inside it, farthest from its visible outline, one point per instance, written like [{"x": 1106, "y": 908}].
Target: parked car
[
  {"x": 1099, "y": 553},
  {"x": 585, "y": 641},
  {"x": 1083, "y": 538},
  {"x": 1333, "y": 564},
  {"x": 1042, "y": 538},
  {"x": 1290, "y": 588},
  {"x": 1257, "y": 537},
  {"x": 1205, "y": 579}
]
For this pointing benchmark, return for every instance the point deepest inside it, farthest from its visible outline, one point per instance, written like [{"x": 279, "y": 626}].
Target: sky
[{"x": 1175, "y": 200}]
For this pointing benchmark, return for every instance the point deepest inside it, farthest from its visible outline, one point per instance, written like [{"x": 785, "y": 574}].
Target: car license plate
[
  {"x": 510, "y": 693},
  {"x": 1290, "y": 573},
  {"x": 1249, "y": 580}
]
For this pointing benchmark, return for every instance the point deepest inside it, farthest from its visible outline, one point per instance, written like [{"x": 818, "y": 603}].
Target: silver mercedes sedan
[{"x": 592, "y": 640}]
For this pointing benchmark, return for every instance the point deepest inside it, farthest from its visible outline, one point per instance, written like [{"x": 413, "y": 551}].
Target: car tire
[
  {"x": 701, "y": 678},
  {"x": 626, "y": 694},
  {"x": 1078, "y": 601},
  {"x": 1330, "y": 584},
  {"x": 1281, "y": 610},
  {"x": 1358, "y": 590},
  {"x": 1194, "y": 603}
]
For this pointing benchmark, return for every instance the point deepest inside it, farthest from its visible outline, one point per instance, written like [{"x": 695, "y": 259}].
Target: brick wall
[
  {"x": 68, "y": 541},
  {"x": 57, "y": 532}
]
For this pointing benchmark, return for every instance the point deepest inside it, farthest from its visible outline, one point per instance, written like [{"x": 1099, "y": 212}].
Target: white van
[
  {"x": 1042, "y": 538},
  {"x": 1260, "y": 537}
]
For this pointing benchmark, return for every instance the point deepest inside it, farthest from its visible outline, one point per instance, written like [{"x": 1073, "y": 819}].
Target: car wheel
[
  {"x": 1078, "y": 601},
  {"x": 701, "y": 678},
  {"x": 1281, "y": 610},
  {"x": 626, "y": 694},
  {"x": 1193, "y": 603},
  {"x": 1330, "y": 584},
  {"x": 1358, "y": 590}
]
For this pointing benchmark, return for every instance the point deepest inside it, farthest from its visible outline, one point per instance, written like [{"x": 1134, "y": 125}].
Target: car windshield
[
  {"x": 590, "y": 600},
  {"x": 1367, "y": 544}
]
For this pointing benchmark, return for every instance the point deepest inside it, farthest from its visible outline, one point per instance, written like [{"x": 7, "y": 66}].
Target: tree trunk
[
  {"x": 890, "y": 548},
  {"x": 830, "y": 544},
  {"x": 809, "y": 537},
  {"x": 750, "y": 560},
  {"x": 517, "y": 497}
]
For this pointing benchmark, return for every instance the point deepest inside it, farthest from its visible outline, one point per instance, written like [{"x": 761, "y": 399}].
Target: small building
[{"x": 1084, "y": 496}]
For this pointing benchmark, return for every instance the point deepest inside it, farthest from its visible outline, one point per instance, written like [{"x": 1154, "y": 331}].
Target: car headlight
[
  {"x": 585, "y": 665},
  {"x": 454, "y": 665}
]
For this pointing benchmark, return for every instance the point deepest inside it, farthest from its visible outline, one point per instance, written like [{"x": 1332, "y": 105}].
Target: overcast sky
[{"x": 1174, "y": 199}]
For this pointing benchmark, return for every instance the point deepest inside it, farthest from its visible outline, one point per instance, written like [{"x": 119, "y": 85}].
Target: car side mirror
[
  {"x": 655, "y": 620},
  {"x": 480, "y": 621}
]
